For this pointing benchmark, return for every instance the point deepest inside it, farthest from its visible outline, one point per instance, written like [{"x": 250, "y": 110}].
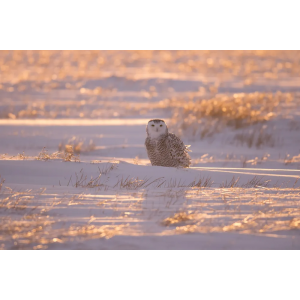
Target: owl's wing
[
  {"x": 147, "y": 141},
  {"x": 177, "y": 148}
]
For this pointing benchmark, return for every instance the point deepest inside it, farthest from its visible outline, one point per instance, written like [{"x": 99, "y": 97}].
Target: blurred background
[{"x": 246, "y": 99}]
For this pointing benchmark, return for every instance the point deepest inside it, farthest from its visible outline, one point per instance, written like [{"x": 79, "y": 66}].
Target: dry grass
[
  {"x": 19, "y": 156},
  {"x": 26, "y": 232},
  {"x": 25, "y": 225},
  {"x": 205, "y": 117},
  {"x": 44, "y": 155},
  {"x": 178, "y": 218},
  {"x": 29, "y": 112},
  {"x": 66, "y": 155},
  {"x": 136, "y": 160},
  {"x": 252, "y": 208},
  {"x": 205, "y": 158},
  {"x": 94, "y": 232},
  {"x": 132, "y": 183},
  {"x": 36, "y": 232},
  {"x": 106, "y": 169},
  {"x": 11, "y": 199},
  {"x": 256, "y": 181},
  {"x": 21, "y": 222},
  {"x": 55, "y": 71},
  {"x": 173, "y": 194},
  {"x": 255, "y": 161},
  {"x": 256, "y": 137},
  {"x": 77, "y": 145},
  {"x": 52, "y": 66},
  {"x": 231, "y": 184},
  {"x": 292, "y": 160},
  {"x": 136, "y": 183},
  {"x": 257, "y": 224},
  {"x": 81, "y": 180}
]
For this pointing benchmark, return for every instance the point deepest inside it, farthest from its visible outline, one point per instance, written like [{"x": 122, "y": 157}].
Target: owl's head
[{"x": 156, "y": 128}]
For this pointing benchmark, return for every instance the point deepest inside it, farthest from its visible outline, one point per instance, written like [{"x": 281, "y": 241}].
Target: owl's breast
[{"x": 157, "y": 152}]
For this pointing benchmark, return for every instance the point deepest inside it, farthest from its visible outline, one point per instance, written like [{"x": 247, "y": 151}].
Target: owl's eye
[
  {"x": 152, "y": 125},
  {"x": 160, "y": 125}
]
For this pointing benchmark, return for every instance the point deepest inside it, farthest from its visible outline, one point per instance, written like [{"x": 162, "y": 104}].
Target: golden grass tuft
[
  {"x": 205, "y": 117},
  {"x": 77, "y": 145},
  {"x": 177, "y": 218},
  {"x": 291, "y": 160},
  {"x": 66, "y": 155}
]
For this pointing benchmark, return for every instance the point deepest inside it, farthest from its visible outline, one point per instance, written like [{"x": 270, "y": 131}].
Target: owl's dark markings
[{"x": 167, "y": 151}]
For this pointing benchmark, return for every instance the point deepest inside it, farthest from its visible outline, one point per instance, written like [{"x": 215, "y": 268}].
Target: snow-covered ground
[{"x": 236, "y": 195}]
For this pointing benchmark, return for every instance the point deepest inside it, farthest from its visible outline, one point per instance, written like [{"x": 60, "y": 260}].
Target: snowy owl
[{"x": 165, "y": 149}]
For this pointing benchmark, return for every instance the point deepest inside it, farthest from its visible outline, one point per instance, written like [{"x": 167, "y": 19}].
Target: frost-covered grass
[{"x": 74, "y": 212}]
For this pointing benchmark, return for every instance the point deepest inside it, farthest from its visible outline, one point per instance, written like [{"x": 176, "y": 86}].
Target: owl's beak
[{"x": 156, "y": 129}]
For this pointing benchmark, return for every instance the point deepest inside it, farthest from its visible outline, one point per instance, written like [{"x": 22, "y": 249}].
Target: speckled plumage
[{"x": 165, "y": 149}]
